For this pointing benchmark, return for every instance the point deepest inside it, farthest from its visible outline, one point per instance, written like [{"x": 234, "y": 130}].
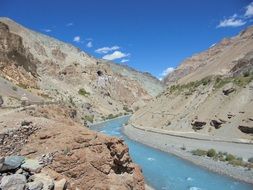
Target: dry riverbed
[{"x": 173, "y": 144}]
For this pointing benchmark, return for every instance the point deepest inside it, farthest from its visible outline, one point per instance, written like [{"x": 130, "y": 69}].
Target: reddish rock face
[{"x": 86, "y": 159}]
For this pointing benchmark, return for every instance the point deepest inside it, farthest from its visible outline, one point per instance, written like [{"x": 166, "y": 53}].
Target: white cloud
[
  {"x": 124, "y": 60},
  {"x": 77, "y": 39},
  {"x": 231, "y": 22},
  {"x": 249, "y": 10},
  {"x": 70, "y": 24},
  {"x": 166, "y": 72},
  {"x": 104, "y": 50},
  {"x": 115, "y": 55},
  {"x": 47, "y": 30},
  {"x": 89, "y": 44}
]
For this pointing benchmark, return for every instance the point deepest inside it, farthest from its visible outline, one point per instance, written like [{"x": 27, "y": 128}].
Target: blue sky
[{"x": 149, "y": 35}]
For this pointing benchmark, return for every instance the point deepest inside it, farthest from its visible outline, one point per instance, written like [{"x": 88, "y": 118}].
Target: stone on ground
[
  {"x": 11, "y": 163},
  {"x": 13, "y": 182},
  {"x": 32, "y": 165}
]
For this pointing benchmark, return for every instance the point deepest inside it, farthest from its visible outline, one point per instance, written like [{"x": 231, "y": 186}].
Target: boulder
[
  {"x": 246, "y": 129},
  {"x": 229, "y": 88},
  {"x": 1, "y": 162},
  {"x": 32, "y": 165},
  {"x": 1, "y": 101},
  {"x": 35, "y": 185},
  {"x": 216, "y": 123},
  {"x": 11, "y": 163},
  {"x": 26, "y": 123},
  {"x": 61, "y": 184},
  {"x": 197, "y": 125},
  {"x": 13, "y": 182},
  {"x": 46, "y": 180}
]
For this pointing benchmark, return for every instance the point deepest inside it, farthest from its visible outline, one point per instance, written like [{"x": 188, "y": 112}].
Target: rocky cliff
[{"x": 55, "y": 148}]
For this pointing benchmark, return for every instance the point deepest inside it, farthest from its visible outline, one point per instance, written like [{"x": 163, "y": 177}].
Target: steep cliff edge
[{"x": 67, "y": 150}]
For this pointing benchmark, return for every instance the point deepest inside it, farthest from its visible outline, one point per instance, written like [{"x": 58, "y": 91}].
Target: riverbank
[
  {"x": 173, "y": 144},
  {"x": 109, "y": 120}
]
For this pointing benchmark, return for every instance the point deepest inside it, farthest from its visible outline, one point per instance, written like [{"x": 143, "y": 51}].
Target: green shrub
[
  {"x": 89, "y": 118},
  {"x": 110, "y": 116},
  {"x": 83, "y": 92},
  {"x": 126, "y": 109},
  {"x": 230, "y": 157},
  {"x": 199, "y": 152},
  {"x": 237, "y": 162},
  {"x": 211, "y": 153}
]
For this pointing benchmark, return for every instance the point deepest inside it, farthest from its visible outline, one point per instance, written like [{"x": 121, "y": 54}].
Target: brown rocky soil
[{"x": 86, "y": 159}]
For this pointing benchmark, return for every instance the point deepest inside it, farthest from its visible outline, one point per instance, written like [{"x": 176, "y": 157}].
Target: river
[{"x": 164, "y": 171}]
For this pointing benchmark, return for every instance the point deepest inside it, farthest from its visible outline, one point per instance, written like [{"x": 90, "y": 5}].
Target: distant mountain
[{"x": 219, "y": 59}]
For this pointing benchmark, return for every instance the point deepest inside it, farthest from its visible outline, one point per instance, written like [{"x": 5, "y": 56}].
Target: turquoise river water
[{"x": 164, "y": 171}]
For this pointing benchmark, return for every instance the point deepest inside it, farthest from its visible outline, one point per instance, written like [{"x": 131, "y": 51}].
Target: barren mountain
[
  {"x": 49, "y": 92},
  {"x": 219, "y": 59},
  {"x": 61, "y": 72},
  {"x": 212, "y": 95}
]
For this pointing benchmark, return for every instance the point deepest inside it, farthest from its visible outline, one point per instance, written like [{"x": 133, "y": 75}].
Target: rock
[
  {"x": 46, "y": 180},
  {"x": 13, "y": 182},
  {"x": 228, "y": 89},
  {"x": 197, "y": 125},
  {"x": 26, "y": 123},
  {"x": 19, "y": 171},
  {"x": 230, "y": 115},
  {"x": 1, "y": 101},
  {"x": 246, "y": 129},
  {"x": 11, "y": 163},
  {"x": 44, "y": 136},
  {"x": 61, "y": 184},
  {"x": 216, "y": 123},
  {"x": 32, "y": 165},
  {"x": 1, "y": 162},
  {"x": 34, "y": 185}
]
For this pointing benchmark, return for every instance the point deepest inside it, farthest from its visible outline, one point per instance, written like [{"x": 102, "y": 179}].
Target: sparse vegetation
[
  {"x": 199, "y": 152},
  {"x": 14, "y": 88},
  {"x": 126, "y": 109},
  {"x": 218, "y": 81},
  {"x": 211, "y": 153},
  {"x": 112, "y": 116},
  {"x": 191, "y": 86},
  {"x": 89, "y": 118},
  {"x": 24, "y": 86},
  {"x": 230, "y": 157},
  {"x": 83, "y": 92},
  {"x": 224, "y": 157},
  {"x": 240, "y": 81}
]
